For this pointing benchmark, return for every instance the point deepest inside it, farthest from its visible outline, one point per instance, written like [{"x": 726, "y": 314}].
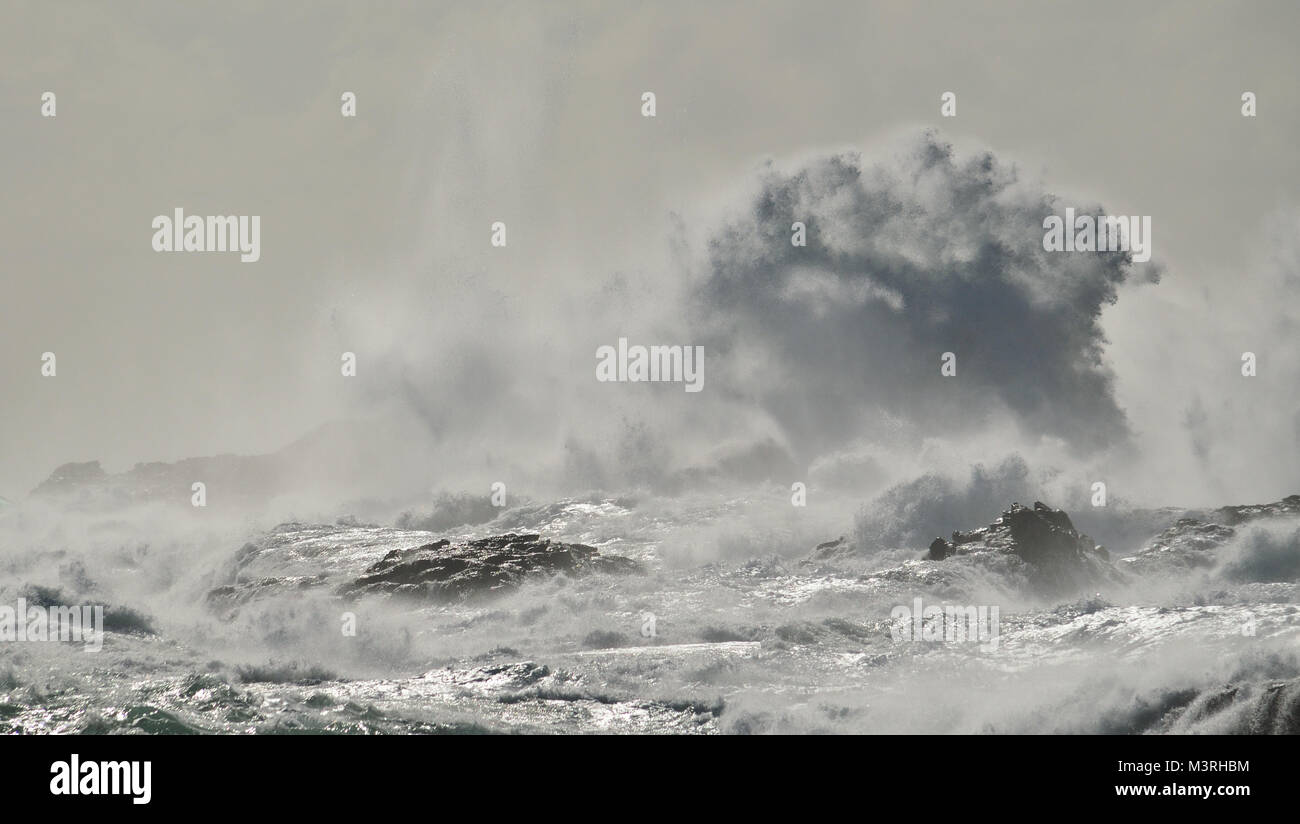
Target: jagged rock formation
[
  {"x": 1038, "y": 535},
  {"x": 443, "y": 571},
  {"x": 1037, "y": 542},
  {"x": 939, "y": 549},
  {"x": 1234, "y": 515},
  {"x": 1057, "y": 556},
  {"x": 1192, "y": 542}
]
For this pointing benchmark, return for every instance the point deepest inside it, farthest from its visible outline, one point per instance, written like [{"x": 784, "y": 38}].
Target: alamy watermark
[
  {"x": 632, "y": 364},
  {"x": 1104, "y": 233},
  {"x": 77, "y": 777},
  {"x": 74, "y": 624},
  {"x": 215, "y": 233}
]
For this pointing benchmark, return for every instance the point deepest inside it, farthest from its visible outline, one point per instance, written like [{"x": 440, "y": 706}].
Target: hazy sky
[{"x": 378, "y": 225}]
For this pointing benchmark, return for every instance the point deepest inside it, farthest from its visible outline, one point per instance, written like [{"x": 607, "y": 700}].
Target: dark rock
[
  {"x": 116, "y": 618},
  {"x": 443, "y": 571},
  {"x": 1057, "y": 557},
  {"x": 825, "y": 545},
  {"x": 604, "y": 639},
  {"x": 939, "y": 549},
  {"x": 828, "y": 550}
]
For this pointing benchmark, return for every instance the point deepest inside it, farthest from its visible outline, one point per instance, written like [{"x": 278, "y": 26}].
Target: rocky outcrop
[
  {"x": 1057, "y": 556},
  {"x": 1194, "y": 540},
  {"x": 1235, "y": 515},
  {"x": 829, "y": 550},
  {"x": 443, "y": 571},
  {"x": 939, "y": 549},
  {"x": 1040, "y": 535},
  {"x": 116, "y": 618},
  {"x": 1038, "y": 543}
]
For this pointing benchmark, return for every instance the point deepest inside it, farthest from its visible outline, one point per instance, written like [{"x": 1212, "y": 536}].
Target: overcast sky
[{"x": 530, "y": 114}]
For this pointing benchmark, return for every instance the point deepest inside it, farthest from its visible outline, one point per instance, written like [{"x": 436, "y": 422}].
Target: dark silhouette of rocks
[
  {"x": 1039, "y": 535},
  {"x": 443, "y": 571},
  {"x": 828, "y": 550},
  {"x": 1057, "y": 556},
  {"x": 1039, "y": 542},
  {"x": 939, "y": 549}
]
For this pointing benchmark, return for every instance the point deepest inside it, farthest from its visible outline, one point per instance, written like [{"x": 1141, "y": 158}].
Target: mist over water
[
  {"x": 822, "y": 369},
  {"x": 631, "y": 556},
  {"x": 824, "y": 361}
]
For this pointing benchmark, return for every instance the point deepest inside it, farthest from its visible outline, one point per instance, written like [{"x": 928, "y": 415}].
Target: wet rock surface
[
  {"x": 1234, "y": 515},
  {"x": 1039, "y": 535},
  {"x": 737, "y": 646},
  {"x": 1058, "y": 556},
  {"x": 1194, "y": 541},
  {"x": 443, "y": 571},
  {"x": 1038, "y": 545}
]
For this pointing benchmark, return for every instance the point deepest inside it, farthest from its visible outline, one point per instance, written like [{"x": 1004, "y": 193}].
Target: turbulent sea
[{"x": 730, "y": 625}]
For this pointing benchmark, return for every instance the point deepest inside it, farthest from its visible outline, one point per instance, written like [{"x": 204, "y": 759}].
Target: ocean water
[{"x": 728, "y": 628}]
